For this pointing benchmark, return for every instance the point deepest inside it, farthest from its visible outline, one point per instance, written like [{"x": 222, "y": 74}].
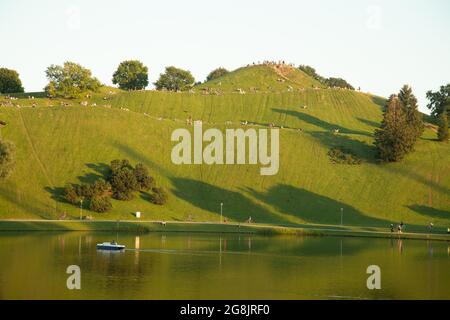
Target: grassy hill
[
  {"x": 60, "y": 142},
  {"x": 262, "y": 78}
]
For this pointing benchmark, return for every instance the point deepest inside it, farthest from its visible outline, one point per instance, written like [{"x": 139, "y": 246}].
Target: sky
[{"x": 376, "y": 45}]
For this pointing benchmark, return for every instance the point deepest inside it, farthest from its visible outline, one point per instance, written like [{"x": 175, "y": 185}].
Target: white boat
[{"x": 110, "y": 246}]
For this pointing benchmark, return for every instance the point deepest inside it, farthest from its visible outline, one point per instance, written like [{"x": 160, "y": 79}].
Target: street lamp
[
  {"x": 81, "y": 209},
  {"x": 221, "y": 210},
  {"x": 342, "y": 216}
]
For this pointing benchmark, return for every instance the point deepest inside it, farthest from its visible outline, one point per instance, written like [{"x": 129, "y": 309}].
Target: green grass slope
[{"x": 57, "y": 145}]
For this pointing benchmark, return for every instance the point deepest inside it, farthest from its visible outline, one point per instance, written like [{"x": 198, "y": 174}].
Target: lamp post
[
  {"x": 342, "y": 216},
  {"x": 221, "y": 210},
  {"x": 81, "y": 209}
]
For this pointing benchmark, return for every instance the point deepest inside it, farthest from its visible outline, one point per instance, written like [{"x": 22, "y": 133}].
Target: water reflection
[{"x": 186, "y": 266}]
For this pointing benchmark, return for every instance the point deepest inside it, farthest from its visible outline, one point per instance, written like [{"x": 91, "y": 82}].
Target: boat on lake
[{"x": 110, "y": 246}]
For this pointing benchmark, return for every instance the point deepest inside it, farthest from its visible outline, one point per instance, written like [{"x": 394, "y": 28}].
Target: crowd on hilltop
[{"x": 271, "y": 63}]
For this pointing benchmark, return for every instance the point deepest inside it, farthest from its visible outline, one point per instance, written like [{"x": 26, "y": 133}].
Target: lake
[{"x": 229, "y": 266}]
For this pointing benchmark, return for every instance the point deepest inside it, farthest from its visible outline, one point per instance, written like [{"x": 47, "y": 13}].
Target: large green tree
[
  {"x": 414, "y": 118},
  {"x": 131, "y": 75},
  {"x": 10, "y": 81},
  {"x": 216, "y": 73},
  {"x": 69, "y": 80},
  {"x": 391, "y": 140},
  {"x": 443, "y": 134},
  {"x": 439, "y": 100},
  {"x": 175, "y": 79}
]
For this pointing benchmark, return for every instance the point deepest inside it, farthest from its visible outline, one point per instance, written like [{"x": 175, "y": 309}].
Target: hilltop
[
  {"x": 71, "y": 141},
  {"x": 268, "y": 77}
]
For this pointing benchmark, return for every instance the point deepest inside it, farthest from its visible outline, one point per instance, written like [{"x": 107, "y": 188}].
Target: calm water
[{"x": 201, "y": 266}]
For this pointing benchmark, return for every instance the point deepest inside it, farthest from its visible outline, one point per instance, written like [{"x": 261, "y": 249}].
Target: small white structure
[{"x": 138, "y": 214}]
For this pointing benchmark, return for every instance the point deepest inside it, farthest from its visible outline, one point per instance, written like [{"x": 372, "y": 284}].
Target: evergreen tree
[
  {"x": 443, "y": 134},
  {"x": 413, "y": 116},
  {"x": 391, "y": 140}
]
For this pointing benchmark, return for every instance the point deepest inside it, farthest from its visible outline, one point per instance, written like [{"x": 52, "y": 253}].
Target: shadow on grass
[
  {"x": 430, "y": 212},
  {"x": 34, "y": 206},
  {"x": 361, "y": 149},
  {"x": 208, "y": 197},
  {"x": 370, "y": 123},
  {"x": 314, "y": 208},
  {"x": 321, "y": 123}
]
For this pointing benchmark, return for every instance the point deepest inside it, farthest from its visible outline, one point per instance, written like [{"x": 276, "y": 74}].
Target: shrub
[
  {"x": 159, "y": 196},
  {"x": 100, "y": 204},
  {"x": 71, "y": 195},
  {"x": 7, "y": 159}
]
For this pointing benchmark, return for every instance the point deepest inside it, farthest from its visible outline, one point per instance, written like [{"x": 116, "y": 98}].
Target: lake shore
[{"x": 211, "y": 227}]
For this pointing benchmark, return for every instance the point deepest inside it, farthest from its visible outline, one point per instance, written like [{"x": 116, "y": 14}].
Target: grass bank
[{"x": 208, "y": 227}]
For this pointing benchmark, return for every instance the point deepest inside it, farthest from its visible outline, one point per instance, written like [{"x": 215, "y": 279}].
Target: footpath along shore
[{"x": 414, "y": 232}]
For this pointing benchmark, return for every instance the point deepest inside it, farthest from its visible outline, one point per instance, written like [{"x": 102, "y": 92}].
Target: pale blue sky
[{"x": 378, "y": 45}]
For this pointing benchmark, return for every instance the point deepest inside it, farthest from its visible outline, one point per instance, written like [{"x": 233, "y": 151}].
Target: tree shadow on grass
[
  {"x": 361, "y": 149},
  {"x": 314, "y": 208},
  {"x": 56, "y": 193},
  {"x": 43, "y": 210},
  {"x": 430, "y": 212},
  {"x": 208, "y": 197},
  {"x": 370, "y": 123},
  {"x": 321, "y": 123}
]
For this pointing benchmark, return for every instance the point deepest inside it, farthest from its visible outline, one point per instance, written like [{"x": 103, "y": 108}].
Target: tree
[
  {"x": 71, "y": 195},
  {"x": 10, "y": 81},
  {"x": 391, "y": 139},
  {"x": 144, "y": 180},
  {"x": 338, "y": 83},
  {"x": 69, "y": 80},
  {"x": 175, "y": 79},
  {"x": 7, "y": 159},
  {"x": 439, "y": 100},
  {"x": 131, "y": 75},
  {"x": 443, "y": 134},
  {"x": 217, "y": 73},
  {"x": 100, "y": 204},
  {"x": 159, "y": 196},
  {"x": 413, "y": 116},
  {"x": 329, "y": 82},
  {"x": 310, "y": 71}
]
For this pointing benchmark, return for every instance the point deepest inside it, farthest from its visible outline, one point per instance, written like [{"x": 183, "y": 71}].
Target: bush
[
  {"x": 159, "y": 196},
  {"x": 71, "y": 195},
  {"x": 10, "y": 81},
  {"x": 7, "y": 159},
  {"x": 100, "y": 204},
  {"x": 340, "y": 155},
  {"x": 143, "y": 179}
]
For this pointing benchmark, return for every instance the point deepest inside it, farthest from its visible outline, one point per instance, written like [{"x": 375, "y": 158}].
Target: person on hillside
[
  {"x": 392, "y": 228},
  {"x": 430, "y": 226}
]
